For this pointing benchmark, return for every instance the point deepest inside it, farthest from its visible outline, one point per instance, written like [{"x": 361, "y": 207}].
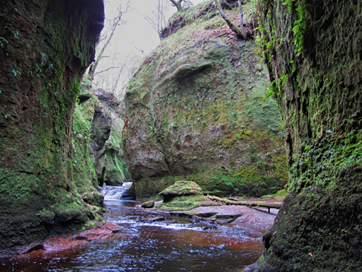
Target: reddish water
[{"x": 172, "y": 245}]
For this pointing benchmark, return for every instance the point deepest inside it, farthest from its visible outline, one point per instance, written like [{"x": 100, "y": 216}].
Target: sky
[{"x": 132, "y": 41}]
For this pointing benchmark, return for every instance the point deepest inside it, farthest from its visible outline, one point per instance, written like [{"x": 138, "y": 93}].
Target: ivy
[
  {"x": 290, "y": 5},
  {"x": 275, "y": 87},
  {"x": 3, "y": 41},
  {"x": 300, "y": 28},
  {"x": 16, "y": 72}
]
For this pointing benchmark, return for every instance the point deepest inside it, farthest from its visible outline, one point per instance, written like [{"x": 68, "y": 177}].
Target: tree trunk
[
  {"x": 177, "y": 4},
  {"x": 242, "y": 30},
  {"x": 264, "y": 204}
]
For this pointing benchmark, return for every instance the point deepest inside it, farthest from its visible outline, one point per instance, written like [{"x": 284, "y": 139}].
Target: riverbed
[{"x": 151, "y": 242}]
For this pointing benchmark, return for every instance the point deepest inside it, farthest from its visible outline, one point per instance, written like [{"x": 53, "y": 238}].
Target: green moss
[
  {"x": 185, "y": 203},
  {"x": 84, "y": 177},
  {"x": 248, "y": 118},
  {"x": 38, "y": 193},
  {"x": 280, "y": 194},
  {"x": 319, "y": 100},
  {"x": 196, "y": 110},
  {"x": 182, "y": 187}
]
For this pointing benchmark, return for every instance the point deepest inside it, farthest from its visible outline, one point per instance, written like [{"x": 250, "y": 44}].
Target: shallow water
[{"x": 173, "y": 244}]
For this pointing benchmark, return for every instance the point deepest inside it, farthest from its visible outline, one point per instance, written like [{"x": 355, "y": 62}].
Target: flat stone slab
[
  {"x": 239, "y": 215},
  {"x": 153, "y": 219},
  {"x": 205, "y": 214},
  {"x": 110, "y": 226}
]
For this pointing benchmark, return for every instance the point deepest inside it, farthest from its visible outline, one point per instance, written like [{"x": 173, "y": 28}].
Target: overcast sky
[
  {"x": 132, "y": 41},
  {"x": 137, "y": 32}
]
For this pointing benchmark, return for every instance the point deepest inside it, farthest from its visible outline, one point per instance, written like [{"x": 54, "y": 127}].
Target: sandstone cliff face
[
  {"x": 314, "y": 55},
  {"x": 196, "y": 110},
  {"x": 105, "y": 116},
  {"x": 41, "y": 65}
]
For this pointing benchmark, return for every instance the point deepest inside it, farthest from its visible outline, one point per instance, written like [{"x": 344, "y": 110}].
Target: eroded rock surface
[
  {"x": 181, "y": 188},
  {"x": 196, "y": 110},
  {"x": 42, "y": 62},
  {"x": 107, "y": 125},
  {"x": 314, "y": 54}
]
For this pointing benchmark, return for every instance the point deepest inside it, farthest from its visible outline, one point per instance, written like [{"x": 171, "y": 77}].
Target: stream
[{"x": 149, "y": 242}]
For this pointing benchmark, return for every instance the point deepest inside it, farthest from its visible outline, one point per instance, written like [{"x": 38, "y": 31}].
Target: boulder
[
  {"x": 110, "y": 226},
  {"x": 196, "y": 109},
  {"x": 148, "y": 204},
  {"x": 183, "y": 195},
  {"x": 180, "y": 188}
]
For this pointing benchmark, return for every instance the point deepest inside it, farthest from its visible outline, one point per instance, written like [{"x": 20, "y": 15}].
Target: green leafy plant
[
  {"x": 16, "y": 72},
  {"x": 3, "y": 41},
  {"x": 300, "y": 28}
]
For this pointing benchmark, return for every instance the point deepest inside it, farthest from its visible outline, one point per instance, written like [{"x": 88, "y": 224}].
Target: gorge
[{"x": 242, "y": 118}]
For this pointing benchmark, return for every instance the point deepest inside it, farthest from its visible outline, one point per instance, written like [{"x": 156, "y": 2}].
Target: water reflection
[{"x": 175, "y": 244}]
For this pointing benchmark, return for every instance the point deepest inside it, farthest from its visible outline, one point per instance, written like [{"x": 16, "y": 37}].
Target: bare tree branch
[
  {"x": 104, "y": 57},
  {"x": 114, "y": 89},
  {"x": 117, "y": 21},
  {"x": 97, "y": 73},
  {"x": 157, "y": 18}
]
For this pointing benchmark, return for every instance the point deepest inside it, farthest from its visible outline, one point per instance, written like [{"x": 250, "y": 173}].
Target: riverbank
[
  {"x": 254, "y": 222},
  {"x": 223, "y": 237},
  {"x": 255, "y": 219}
]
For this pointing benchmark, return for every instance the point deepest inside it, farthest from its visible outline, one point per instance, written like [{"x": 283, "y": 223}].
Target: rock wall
[
  {"x": 45, "y": 47},
  {"x": 314, "y": 54},
  {"x": 196, "y": 110},
  {"x": 105, "y": 118},
  {"x": 84, "y": 175}
]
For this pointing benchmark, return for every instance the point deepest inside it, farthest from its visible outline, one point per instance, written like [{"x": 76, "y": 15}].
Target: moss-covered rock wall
[
  {"x": 84, "y": 174},
  {"x": 45, "y": 47},
  {"x": 196, "y": 110},
  {"x": 314, "y": 54},
  {"x": 106, "y": 117}
]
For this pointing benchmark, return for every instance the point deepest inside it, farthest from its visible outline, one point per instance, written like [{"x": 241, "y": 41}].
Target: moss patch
[{"x": 185, "y": 203}]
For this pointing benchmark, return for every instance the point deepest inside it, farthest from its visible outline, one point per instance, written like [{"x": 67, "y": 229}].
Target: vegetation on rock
[
  {"x": 314, "y": 54},
  {"x": 185, "y": 203},
  {"x": 196, "y": 110},
  {"x": 42, "y": 63},
  {"x": 106, "y": 123},
  {"x": 181, "y": 188},
  {"x": 183, "y": 195}
]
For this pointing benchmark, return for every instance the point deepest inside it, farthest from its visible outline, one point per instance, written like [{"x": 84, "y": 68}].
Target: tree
[
  {"x": 180, "y": 4},
  {"x": 158, "y": 17},
  {"x": 117, "y": 21},
  {"x": 240, "y": 32}
]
